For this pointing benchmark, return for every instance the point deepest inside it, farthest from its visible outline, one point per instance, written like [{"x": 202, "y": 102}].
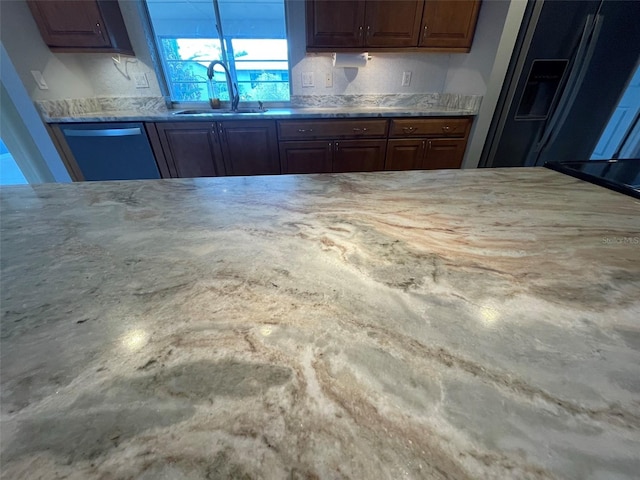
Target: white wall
[
  {"x": 85, "y": 75},
  {"x": 22, "y": 130},
  {"x": 431, "y": 72},
  {"x": 74, "y": 75},
  {"x": 21, "y": 38}
]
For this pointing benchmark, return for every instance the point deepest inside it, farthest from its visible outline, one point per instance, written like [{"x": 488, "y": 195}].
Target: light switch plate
[
  {"x": 406, "y": 79},
  {"x": 307, "y": 79},
  {"x": 37, "y": 76},
  {"x": 141, "y": 80}
]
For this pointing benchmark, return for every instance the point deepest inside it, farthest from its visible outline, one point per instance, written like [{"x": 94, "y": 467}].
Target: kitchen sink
[{"x": 219, "y": 111}]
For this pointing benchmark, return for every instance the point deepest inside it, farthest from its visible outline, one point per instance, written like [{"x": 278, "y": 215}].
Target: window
[{"x": 251, "y": 40}]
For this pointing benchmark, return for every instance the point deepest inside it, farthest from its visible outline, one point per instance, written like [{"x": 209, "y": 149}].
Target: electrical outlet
[
  {"x": 328, "y": 80},
  {"x": 37, "y": 76},
  {"x": 141, "y": 80},
  {"x": 406, "y": 79},
  {"x": 307, "y": 79}
]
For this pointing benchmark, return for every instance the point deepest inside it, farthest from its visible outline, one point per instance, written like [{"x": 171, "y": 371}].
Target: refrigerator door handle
[{"x": 584, "y": 54}]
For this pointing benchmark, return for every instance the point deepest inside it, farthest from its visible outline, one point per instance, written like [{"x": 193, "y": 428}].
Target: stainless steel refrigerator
[{"x": 570, "y": 66}]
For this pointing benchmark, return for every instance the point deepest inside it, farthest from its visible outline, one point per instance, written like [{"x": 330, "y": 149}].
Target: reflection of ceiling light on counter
[
  {"x": 134, "y": 340},
  {"x": 265, "y": 331},
  {"x": 489, "y": 315}
]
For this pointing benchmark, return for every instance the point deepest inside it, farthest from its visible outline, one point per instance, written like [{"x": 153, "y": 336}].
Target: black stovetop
[{"x": 620, "y": 175}]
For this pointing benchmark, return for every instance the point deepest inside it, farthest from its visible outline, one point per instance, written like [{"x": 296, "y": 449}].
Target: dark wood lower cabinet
[
  {"x": 250, "y": 147},
  {"x": 424, "y": 154},
  {"x": 444, "y": 153},
  {"x": 306, "y": 157},
  {"x": 359, "y": 155},
  {"x": 191, "y": 149},
  {"x": 404, "y": 154}
]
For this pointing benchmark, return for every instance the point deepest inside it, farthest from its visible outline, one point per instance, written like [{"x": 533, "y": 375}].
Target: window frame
[{"x": 161, "y": 70}]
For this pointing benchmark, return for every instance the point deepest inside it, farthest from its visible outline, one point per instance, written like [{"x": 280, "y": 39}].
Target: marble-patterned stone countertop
[
  {"x": 115, "y": 109},
  {"x": 451, "y": 324}
]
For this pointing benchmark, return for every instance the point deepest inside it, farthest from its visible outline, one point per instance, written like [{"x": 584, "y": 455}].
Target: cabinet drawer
[
  {"x": 440, "y": 127},
  {"x": 312, "y": 129}
]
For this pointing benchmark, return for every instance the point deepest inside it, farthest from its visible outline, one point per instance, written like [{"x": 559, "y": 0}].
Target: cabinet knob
[
  {"x": 447, "y": 129},
  {"x": 408, "y": 129}
]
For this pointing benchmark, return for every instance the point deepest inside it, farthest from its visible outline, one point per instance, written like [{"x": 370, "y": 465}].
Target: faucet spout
[{"x": 234, "y": 97}]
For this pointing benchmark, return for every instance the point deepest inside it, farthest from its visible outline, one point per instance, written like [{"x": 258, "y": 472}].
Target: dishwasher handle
[{"x": 107, "y": 132}]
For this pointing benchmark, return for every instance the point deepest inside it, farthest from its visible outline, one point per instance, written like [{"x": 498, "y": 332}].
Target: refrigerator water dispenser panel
[{"x": 542, "y": 87}]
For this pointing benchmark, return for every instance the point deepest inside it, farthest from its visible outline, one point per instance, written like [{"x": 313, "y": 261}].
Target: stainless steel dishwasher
[{"x": 111, "y": 151}]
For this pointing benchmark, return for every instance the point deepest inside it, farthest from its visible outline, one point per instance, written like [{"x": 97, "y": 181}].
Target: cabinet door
[
  {"x": 359, "y": 155},
  {"x": 306, "y": 157},
  {"x": 191, "y": 149},
  {"x": 405, "y": 154},
  {"x": 449, "y": 24},
  {"x": 250, "y": 147},
  {"x": 393, "y": 23},
  {"x": 335, "y": 23},
  {"x": 86, "y": 25},
  {"x": 62, "y": 22},
  {"x": 444, "y": 153}
]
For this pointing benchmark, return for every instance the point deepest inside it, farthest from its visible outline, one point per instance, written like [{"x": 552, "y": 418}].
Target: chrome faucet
[{"x": 234, "y": 98}]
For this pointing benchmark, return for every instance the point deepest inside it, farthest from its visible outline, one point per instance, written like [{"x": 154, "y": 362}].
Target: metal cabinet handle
[
  {"x": 408, "y": 129},
  {"x": 356, "y": 130},
  {"x": 424, "y": 32},
  {"x": 105, "y": 132},
  {"x": 448, "y": 129},
  {"x": 368, "y": 30},
  {"x": 423, "y": 144},
  {"x": 337, "y": 145},
  {"x": 429, "y": 144},
  {"x": 360, "y": 30},
  {"x": 303, "y": 130}
]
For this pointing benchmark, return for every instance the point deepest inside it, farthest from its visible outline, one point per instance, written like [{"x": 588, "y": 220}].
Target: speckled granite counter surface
[
  {"x": 154, "y": 109},
  {"x": 453, "y": 324}
]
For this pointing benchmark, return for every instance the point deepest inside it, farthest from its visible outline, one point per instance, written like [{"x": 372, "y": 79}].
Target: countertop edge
[{"x": 274, "y": 114}]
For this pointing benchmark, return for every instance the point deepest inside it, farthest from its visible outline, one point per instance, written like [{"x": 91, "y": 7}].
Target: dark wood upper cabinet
[
  {"x": 81, "y": 26},
  {"x": 385, "y": 25},
  {"x": 392, "y": 23},
  {"x": 249, "y": 147},
  {"x": 335, "y": 23},
  {"x": 449, "y": 24}
]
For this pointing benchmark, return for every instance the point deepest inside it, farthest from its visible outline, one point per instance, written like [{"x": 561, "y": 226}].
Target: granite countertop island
[{"x": 438, "y": 325}]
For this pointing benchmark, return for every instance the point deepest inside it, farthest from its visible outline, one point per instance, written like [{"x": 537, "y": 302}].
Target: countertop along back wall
[{"x": 79, "y": 75}]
